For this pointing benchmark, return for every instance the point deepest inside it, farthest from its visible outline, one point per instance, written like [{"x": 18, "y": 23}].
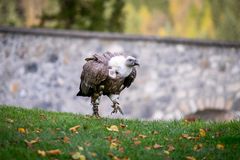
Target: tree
[
  {"x": 93, "y": 15},
  {"x": 226, "y": 19}
]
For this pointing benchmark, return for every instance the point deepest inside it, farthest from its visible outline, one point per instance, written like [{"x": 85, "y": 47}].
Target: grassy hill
[{"x": 37, "y": 134}]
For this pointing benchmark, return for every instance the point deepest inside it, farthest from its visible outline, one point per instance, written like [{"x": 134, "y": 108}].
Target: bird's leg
[
  {"x": 95, "y": 100},
  {"x": 116, "y": 106}
]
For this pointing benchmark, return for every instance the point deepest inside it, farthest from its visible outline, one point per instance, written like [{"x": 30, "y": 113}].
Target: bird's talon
[
  {"x": 116, "y": 108},
  {"x": 96, "y": 115},
  {"x": 120, "y": 110}
]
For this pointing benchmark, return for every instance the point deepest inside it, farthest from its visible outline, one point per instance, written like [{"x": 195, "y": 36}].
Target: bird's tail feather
[{"x": 79, "y": 93}]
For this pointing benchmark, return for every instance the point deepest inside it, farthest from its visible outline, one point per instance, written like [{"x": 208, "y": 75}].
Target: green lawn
[{"x": 37, "y": 134}]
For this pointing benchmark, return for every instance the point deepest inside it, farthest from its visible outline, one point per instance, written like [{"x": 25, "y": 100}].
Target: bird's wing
[
  {"x": 129, "y": 79},
  {"x": 103, "y": 58},
  {"x": 93, "y": 74}
]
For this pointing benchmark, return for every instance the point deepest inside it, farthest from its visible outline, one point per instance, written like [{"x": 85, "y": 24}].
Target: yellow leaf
[
  {"x": 80, "y": 148},
  {"x": 190, "y": 158},
  {"x": 113, "y": 145},
  {"x": 166, "y": 152},
  {"x": 41, "y": 153},
  {"x": 202, "y": 132},
  {"x": 113, "y": 128},
  {"x": 78, "y": 156},
  {"x": 38, "y": 130},
  {"x": 197, "y": 147},
  {"x": 29, "y": 143},
  {"x": 220, "y": 146},
  {"x": 22, "y": 130},
  {"x": 74, "y": 129}
]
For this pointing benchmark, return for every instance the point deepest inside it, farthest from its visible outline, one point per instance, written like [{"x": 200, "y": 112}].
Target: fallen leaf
[
  {"x": 66, "y": 139},
  {"x": 93, "y": 154},
  {"x": 30, "y": 143},
  {"x": 127, "y": 132},
  {"x": 41, "y": 153},
  {"x": 37, "y": 130},
  {"x": 74, "y": 129},
  {"x": 113, "y": 128},
  {"x": 171, "y": 148},
  {"x": 112, "y": 156},
  {"x": 142, "y": 136},
  {"x": 121, "y": 149},
  {"x": 80, "y": 148},
  {"x": 157, "y": 146},
  {"x": 190, "y": 158},
  {"x": 9, "y": 120},
  {"x": 218, "y": 134},
  {"x": 202, "y": 132},
  {"x": 43, "y": 117},
  {"x": 137, "y": 142},
  {"x": 108, "y": 138},
  {"x": 113, "y": 145},
  {"x": 220, "y": 146},
  {"x": 122, "y": 125},
  {"x": 197, "y": 147},
  {"x": 195, "y": 138},
  {"x": 78, "y": 156},
  {"x": 186, "y": 136},
  {"x": 115, "y": 140},
  {"x": 166, "y": 152},
  {"x": 53, "y": 152},
  {"x": 147, "y": 147},
  {"x": 135, "y": 138},
  {"x": 22, "y": 130},
  {"x": 87, "y": 144},
  {"x": 155, "y": 132},
  {"x": 166, "y": 139}
]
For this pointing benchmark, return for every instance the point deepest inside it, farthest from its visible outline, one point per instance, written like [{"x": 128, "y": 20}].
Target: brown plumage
[{"x": 107, "y": 74}]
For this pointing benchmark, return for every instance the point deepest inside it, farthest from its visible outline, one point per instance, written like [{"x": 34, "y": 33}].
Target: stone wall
[{"x": 41, "y": 68}]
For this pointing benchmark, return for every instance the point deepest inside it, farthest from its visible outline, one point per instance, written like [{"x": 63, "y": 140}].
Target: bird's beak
[{"x": 136, "y": 63}]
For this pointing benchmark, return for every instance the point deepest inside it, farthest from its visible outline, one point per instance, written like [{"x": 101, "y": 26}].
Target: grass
[{"x": 135, "y": 139}]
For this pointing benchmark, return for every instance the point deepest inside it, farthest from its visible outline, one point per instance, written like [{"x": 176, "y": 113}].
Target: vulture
[{"x": 107, "y": 74}]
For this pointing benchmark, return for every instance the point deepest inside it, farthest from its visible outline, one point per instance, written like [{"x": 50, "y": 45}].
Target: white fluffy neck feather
[{"x": 118, "y": 64}]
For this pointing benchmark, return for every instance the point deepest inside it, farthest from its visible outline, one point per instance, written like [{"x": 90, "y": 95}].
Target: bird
[{"x": 107, "y": 74}]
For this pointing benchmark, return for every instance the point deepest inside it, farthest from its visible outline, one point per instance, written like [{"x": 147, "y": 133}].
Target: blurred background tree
[
  {"x": 206, "y": 19},
  {"x": 93, "y": 15}
]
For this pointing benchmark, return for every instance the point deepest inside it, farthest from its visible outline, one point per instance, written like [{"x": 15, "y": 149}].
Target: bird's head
[{"x": 131, "y": 61}]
